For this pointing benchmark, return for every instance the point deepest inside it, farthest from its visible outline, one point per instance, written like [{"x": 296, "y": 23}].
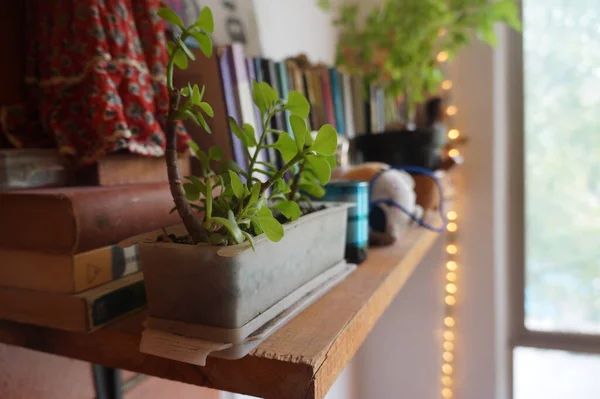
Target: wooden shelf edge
[{"x": 302, "y": 360}]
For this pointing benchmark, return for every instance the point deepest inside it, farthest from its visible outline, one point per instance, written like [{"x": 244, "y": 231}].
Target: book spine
[
  {"x": 225, "y": 56},
  {"x": 244, "y": 90},
  {"x": 101, "y": 266},
  {"x": 348, "y": 106},
  {"x": 338, "y": 104},
  {"x": 115, "y": 304},
  {"x": 72, "y": 220},
  {"x": 265, "y": 76},
  {"x": 259, "y": 128},
  {"x": 21, "y": 169},
  {"x": 284, "y": 88},
  {"x": 327, "y": 97}
]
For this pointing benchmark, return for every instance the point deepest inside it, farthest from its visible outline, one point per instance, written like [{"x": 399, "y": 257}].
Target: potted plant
[
  {"x": 401, "y": 45},
  {"x": 233, "y": 259}
]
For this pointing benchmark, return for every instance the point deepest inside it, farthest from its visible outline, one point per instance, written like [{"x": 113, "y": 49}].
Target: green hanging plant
[{"x": 396, "y": 44}]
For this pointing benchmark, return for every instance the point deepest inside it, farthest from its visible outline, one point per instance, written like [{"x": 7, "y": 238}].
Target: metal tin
[{"x": 357, "y": 233}]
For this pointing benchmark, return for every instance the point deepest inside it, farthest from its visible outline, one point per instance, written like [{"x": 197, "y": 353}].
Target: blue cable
[{"x": 390, "y": 202}]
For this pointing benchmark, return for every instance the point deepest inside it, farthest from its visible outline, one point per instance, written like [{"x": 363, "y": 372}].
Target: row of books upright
[{"x": 336, "y": 98}]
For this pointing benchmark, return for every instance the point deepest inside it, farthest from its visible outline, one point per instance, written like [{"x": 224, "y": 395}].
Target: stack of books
[
  {"x": 336, "y": 98},
  {"x": 60, "y": 266}
]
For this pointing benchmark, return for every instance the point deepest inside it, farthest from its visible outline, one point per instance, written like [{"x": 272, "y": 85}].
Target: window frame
[{"x": 520, "y": 336}]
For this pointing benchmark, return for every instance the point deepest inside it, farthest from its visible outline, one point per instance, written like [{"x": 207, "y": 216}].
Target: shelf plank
[{"x": 301, "y": 360}]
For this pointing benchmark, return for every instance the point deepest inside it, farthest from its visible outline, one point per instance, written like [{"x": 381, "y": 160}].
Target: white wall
[
  {"x": 290, "y": 27},
  {"x": 401, "y": 358}
]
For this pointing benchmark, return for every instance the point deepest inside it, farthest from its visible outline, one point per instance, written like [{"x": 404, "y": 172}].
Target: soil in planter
[{"x": 187, "y": 239}]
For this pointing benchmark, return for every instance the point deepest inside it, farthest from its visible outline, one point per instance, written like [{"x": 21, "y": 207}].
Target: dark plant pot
[{"x": 419, "y": 147}]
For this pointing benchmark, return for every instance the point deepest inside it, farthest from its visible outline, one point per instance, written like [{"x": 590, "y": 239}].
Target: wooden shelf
[{"x": 302, "y": 360}]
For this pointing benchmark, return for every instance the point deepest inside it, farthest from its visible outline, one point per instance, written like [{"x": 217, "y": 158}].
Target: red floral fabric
[{"x": 96, "y": 79}]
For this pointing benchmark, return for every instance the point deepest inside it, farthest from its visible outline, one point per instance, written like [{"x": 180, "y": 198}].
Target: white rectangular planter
[{"x": 226, "y": 287}]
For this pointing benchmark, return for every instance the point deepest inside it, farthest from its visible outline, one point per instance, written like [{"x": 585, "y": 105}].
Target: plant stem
[
  {"x": 281, "y": 172},
  {"x": 263, "y": 135},
  {"x": 294, "y": 188},
  {"x": 184, "y": 209}
]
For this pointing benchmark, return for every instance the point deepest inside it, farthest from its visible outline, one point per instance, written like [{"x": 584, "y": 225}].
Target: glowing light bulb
[
  {"x": 453, "y": 153},
  {"x": 450, "y": 300},
  {"x": 453, "y": 134},
  {"x": 448, "y": 346},
  {"x": 448, "y": 356},
  {"x": 451, "y": 276},
  {"x": 452, "y": 249},
  {"x": 451, "y": 265},
  {"x": 448, "y": 335},
  {"x": 449, "y": 322},
  {"x": 451, "y": 110},
  {"x": 447, "y": 369},
  {"x": 442, "y": 56},
  {"x": 452, "y": 227},
  {"x": 451, "y": 288},
  {"x": 447, "y": 393},
  {"x": 447, "y": 84},
  {"x": 452, "y": 215}
]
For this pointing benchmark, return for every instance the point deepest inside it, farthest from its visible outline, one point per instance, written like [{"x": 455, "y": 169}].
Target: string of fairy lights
[{"x": 450, "y": 285}]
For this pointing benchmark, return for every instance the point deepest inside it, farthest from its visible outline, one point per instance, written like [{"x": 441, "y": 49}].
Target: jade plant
[
  {"x": 397, "y": 43},
  {"x": 238, "y": 202}
]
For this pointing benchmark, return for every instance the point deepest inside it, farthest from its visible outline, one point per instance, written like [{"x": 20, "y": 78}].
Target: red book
[
  {"x": 328, "y": 97},
  {"x": 70, "y": 220}
]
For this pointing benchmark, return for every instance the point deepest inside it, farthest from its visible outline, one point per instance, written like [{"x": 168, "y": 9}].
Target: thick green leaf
[
  {"x": 196, "y": 95},
  {"x": 170, "y": 16},
  {"x": 231, "y": 226},
  {"x": 191, "y": 192},
  {"x": 289, "y": 209},
  {"x": 250, "y": 135},
  {"x": 237, "y": 130},
  {"x": 254, "y": 194},
  {"x": 272, "y": 228},
  {"x": 250, "y": 240},
  {"x": 203, "y": 122},
  {"x": 326, "y": 141},
  {"x": 298, "y": 105},
  {"x": 332, "y": 161},
  {"x": 201, "y": 92},
  {"x": 321, "y": 167},
  {"x": 264, "y": 211},
  {"x": 205, "y": 20},
  {"x": 204, "y": 42},
  {"x": 198, "y": 183},
  {"x": 208, "y": 201},
  {"x": 259, "y": 97},
  {"x": 286, "y": 146},
  {"x": 180, "y": 60},
  {"x": 207, "y": 109},
  {"x": 299, "y": 128},
  {"x": 191, "y": 116},
  {"x": 312, "y": 189},
  {"x": 236, "y": 185},
  {"x": 215, "y": 153},
  {"x": 185, "y": 49},
  {"x": 308, "y": 140}
]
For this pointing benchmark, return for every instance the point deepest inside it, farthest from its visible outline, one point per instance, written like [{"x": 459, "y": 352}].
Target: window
[
  {"x": 561, "y": 43},
  {"x": 558, "y": 319}
]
